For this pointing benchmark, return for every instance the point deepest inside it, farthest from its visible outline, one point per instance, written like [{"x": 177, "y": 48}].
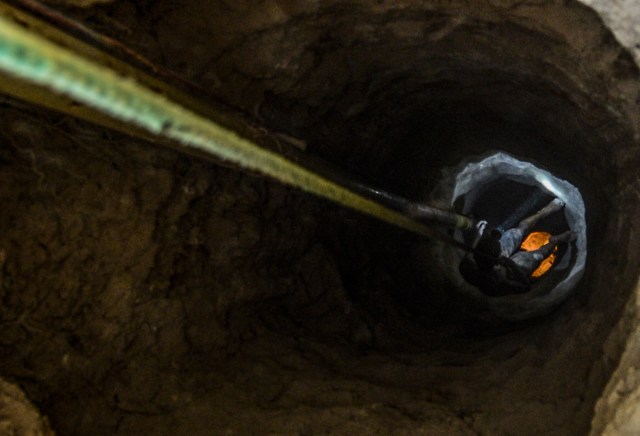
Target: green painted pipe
[{"x": 36, "y": 61}]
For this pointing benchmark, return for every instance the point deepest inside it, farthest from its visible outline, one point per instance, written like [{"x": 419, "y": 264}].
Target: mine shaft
[{"x": 276, "y": 217}]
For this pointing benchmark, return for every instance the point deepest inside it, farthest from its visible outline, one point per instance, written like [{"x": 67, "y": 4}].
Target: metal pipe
[
  {"x": 443, "y": 217},
  {"x": 44, "y": 72},
  {"x": 418, "y": 211}
]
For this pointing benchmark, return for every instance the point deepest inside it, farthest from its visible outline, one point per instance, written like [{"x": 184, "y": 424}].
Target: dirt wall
[{"x": 144, "y": 291}]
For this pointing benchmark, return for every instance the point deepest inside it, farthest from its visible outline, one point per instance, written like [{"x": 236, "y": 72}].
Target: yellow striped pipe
[{"x": 33, "y": 60}]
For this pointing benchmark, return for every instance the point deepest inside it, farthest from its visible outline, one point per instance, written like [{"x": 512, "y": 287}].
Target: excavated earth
[{"x": 147, "y": 292}]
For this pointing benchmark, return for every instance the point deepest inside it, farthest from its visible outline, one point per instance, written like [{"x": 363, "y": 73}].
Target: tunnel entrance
[
  {"x": 157, "y": 293},
  {"x": 503, "y": 190}
]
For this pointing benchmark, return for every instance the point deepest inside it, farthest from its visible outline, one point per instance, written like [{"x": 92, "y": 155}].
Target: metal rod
[
  {"x": 443, "y": 217},
  {"x": 41, "y": 71}
]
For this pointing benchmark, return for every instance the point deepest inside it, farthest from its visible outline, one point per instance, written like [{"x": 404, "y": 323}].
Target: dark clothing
[
  {"x": 488, "y": 250},
  {"x": 503, "y": 278}
]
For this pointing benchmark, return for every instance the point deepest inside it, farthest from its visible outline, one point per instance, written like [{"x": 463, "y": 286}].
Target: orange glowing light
[{"x": 534, "y": 241}]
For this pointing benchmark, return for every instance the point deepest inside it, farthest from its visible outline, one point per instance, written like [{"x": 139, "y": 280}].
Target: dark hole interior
[
  {"x": 145, "y": 292},
  {"x": 504, "y": 203}
]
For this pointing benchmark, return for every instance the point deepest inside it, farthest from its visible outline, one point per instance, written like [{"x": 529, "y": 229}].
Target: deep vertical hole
[{"x": 144, "y": 291}]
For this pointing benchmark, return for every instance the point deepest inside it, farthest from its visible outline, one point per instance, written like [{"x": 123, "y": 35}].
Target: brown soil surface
[{"x": 146, "y": 292}]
